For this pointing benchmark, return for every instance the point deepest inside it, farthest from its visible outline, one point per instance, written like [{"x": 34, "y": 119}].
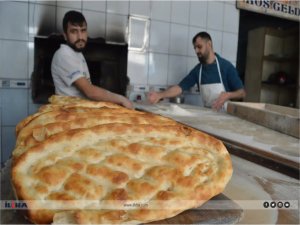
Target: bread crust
[
  {"x": 134, "y": 167},
  {"x": 46, "y": 124},
  {"x": 68, "y": 103},
  {"x": 76, "y": 101}
]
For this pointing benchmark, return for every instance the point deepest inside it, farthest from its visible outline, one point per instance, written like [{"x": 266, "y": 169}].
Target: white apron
[{"x": 210, "y": 92}]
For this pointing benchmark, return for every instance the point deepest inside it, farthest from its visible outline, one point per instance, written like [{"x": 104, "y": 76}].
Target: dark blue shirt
[{"x": 210, "y": 75}]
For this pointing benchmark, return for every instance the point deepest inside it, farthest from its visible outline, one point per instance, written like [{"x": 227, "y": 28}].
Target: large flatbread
[
  {"x": 121, "y": 169},
  {"x": 59, "y": 102},
  {"x": 76, "y": 101},
  {"x": 55, "y": 122}
]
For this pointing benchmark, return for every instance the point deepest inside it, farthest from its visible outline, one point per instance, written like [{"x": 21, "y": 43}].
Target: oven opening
[{"x": 107, "y": 64}]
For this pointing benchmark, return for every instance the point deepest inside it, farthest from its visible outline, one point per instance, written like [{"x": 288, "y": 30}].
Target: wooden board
[
  {"x": 223, "y": 211},
  {"x": 279, "y": 118},
  {"x": 218, "y": 210}
]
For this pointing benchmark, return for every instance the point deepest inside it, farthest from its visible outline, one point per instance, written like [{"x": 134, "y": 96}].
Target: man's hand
[
  {"x": 153, "y": 97},
  {"x": 219, "y": 102},
  {"x": 99, "y": 94},
  {"x": 225, "y": 96},
  {"x": 126, "y": 103}
]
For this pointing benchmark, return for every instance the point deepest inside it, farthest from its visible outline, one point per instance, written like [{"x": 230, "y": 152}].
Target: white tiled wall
[
  {"x": 140, "y": 8},
  {"x": 166, "y": 60},
  {"x": 13, "y": 59},
  {"x": 17, "y": 15},
  {"x": 99, "y": 6},
  {"x": 97, "y": 29},
  {"x": 159, "y": 36},
  {"x": 158, "y": 67},
  {"x": 38, "y": 16},
  {"x": 161, "y": 10},
  {"x": 215, "y": 13},
  {"x": 180, "y": 12},
  {"x": 198, "y": 13}
]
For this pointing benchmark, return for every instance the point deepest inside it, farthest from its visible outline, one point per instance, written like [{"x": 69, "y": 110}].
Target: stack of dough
[{"x": 83, "y": 162}]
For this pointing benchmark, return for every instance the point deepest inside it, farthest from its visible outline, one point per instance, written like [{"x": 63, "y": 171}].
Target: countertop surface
[
  {"x": 228, "y": 127},
  {"x": 252, "y": 185}
]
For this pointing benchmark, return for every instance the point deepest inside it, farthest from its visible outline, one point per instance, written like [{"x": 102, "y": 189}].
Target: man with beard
[
  {"x": 69, "y": 69},
  {"x": 216, "y": 77}
]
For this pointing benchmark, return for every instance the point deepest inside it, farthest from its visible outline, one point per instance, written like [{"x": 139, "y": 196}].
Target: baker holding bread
[
  {"x": 217, "y": 78},
  {"x": 69, "y": 68}
]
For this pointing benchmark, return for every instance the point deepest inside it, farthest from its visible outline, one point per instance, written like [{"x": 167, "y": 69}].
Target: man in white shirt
[{"x": 69, "y": 69}]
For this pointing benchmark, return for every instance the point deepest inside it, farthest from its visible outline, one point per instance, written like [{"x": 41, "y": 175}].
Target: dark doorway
[{"x": 251, "y": 20}]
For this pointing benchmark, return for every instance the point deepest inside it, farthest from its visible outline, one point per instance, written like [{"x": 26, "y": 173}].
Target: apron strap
[{"x": 219, "y": 71}]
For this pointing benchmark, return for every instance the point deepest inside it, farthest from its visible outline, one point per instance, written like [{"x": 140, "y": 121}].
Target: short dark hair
[
  {"x": 203, "y": 35},
  {"x": 73, "y": 17}
]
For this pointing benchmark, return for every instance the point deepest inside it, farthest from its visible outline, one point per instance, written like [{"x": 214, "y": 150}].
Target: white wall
[{"x": 167, "y": 58}]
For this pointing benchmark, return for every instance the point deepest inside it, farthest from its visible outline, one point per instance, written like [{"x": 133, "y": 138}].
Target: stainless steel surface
[{"x": 177, "y": 100}]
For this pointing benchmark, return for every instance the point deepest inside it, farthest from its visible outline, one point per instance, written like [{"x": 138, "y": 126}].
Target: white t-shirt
[{"x": 67, "y": 66}]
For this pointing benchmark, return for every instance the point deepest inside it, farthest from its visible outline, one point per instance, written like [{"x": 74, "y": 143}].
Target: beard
[
  {"x": 75, "y": 48},
  {"x": 203, "y": 58}
]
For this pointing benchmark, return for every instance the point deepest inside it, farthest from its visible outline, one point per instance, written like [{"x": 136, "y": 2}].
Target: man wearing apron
[{"x": 216, "y": 77}]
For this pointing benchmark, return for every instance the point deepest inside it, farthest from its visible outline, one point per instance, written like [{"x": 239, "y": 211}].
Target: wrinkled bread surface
[{"x": 113, "y": 165}]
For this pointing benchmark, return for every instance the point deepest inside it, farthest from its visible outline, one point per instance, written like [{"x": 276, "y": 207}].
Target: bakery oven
[{"x": 107, "y": 64}]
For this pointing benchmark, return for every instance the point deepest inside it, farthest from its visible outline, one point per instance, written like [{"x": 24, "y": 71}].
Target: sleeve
[
  {"x": 234, "y": 81},
  {"x": 191, "y": 79},
  {"x": 68, "y": 68}
]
